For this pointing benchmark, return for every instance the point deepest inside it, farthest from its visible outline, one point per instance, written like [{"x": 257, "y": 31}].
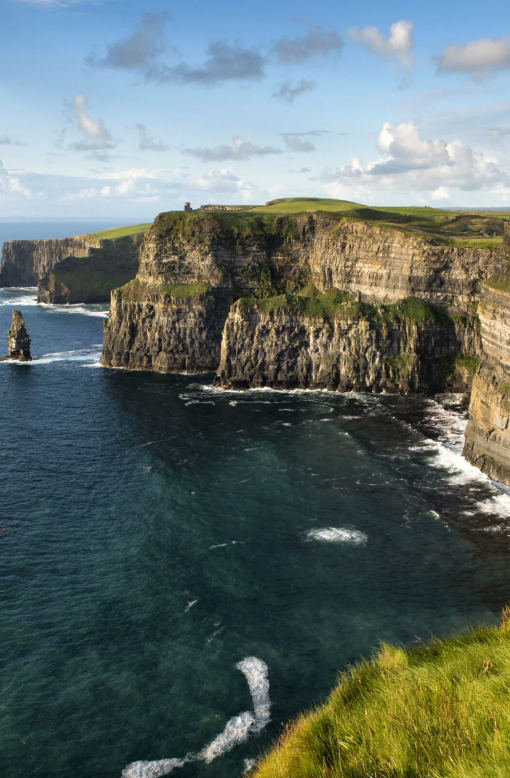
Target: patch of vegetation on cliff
[
  {"x": 499, "y": 281},
  {"x": 469, "y": 363},
  {"x": 186, "y": 290},
  {"x": 441, "y": 709},
  {"x": 310, "y": 302},
  {"x": 135, "y": 291}
]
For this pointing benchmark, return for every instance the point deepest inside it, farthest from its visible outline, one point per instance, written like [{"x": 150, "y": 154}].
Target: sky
[{"x": 122, "y": 108}]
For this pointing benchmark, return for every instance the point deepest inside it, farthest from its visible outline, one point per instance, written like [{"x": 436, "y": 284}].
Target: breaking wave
[
  {"x": 337, "y": 535},
  {"x": 237, "y": 730}
]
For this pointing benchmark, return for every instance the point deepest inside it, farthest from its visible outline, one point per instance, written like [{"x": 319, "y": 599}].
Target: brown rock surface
[{"x": 18, "y": 340}]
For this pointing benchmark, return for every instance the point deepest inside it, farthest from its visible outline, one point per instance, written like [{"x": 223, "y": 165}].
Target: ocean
[{"x": 184, "y": 569}]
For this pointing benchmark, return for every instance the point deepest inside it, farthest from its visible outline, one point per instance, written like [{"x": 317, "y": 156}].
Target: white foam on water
[
  {"x": 76, "y": 355},
  {"x": 237, "y": 730},
  {"x": 249, "y": 766},
  {"x": 152, "y": 769},
  {"x": 499, "y": 505},
  {"x": 233, "y": 542},
  {"x": 337, "y": 535},
  {"x": 86, "y": 310}
]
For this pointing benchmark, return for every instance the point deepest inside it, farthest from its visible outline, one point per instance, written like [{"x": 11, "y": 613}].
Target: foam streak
[{"x": 237, "y": 731}]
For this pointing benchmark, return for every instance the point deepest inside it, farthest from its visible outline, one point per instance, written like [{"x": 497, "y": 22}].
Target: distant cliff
[
  {"x": 194, "y": 267},
  {"x": 71, "y": 270},
  {"x": 24, "y": 262}
]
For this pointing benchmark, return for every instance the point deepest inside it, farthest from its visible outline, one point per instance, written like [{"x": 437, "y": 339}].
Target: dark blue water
[{"x": 154, "y": 533}]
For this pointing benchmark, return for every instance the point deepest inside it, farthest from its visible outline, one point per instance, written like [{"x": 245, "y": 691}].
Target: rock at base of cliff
[{"x": 18, "y": 339}]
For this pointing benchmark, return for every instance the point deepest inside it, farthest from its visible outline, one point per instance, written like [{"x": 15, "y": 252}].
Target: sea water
[{"x": 183, "y": 569}]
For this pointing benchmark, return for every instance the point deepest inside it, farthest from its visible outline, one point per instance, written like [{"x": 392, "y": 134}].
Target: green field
[
  {"x": 120, "y": 232},
  {"x": 441, "y": 710}
]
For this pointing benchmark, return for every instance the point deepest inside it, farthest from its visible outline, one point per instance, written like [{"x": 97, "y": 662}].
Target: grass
[
  {"x": 120, "y": 232},
  {"x": 441, "y": 710},
  {"x": 310, "y": 302},
  {"x": 135, "y": 291},
  {"x": 277, "y": 218}
]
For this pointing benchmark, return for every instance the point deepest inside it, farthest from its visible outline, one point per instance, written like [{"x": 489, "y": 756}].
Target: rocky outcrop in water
[
  {"x": 487, "y": 439},
  {"x": 195, "y": 266},
  {"x": 71, "y": 270},
  {"x": 18, "y": 340}
]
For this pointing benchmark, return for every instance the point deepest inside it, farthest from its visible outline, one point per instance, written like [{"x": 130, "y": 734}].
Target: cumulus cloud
[
  {"x": 140, "y": 49},
  {"x": 298, "y": 50},
  {"x": 289, "y": 93},
  {"x": 397, "y": 45},
  {"x": 6, "y": 141},
  {"x": 225, "y": 62},
  {"x": 146, "y": 141},
  {"x": 11, "y": 187},
  {"x": 96, "y": 138},
  {"x": 221, "y": 180},
  {"x": 415, "y": 163},
  {"x": 240, "y": 150},
  {"x": 479, "y": 58},
  {"x": 295, "y": 142}
]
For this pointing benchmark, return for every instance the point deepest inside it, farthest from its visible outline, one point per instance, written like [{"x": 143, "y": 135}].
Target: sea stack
[{"x": 18, "y": 339}]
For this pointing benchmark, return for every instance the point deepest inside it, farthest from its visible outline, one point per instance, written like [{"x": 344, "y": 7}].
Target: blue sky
[{"x": 122, "y": 108}]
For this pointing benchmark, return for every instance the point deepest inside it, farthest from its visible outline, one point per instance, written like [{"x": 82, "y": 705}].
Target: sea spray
[{"x": 237, "y": 730}]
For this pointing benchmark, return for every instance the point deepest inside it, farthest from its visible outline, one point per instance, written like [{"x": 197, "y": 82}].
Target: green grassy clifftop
[{"x": 441, "y": 710}]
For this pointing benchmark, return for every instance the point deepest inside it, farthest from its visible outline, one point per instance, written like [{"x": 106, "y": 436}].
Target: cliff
[
  {"x": 332, "y": 342},
  {"x": 90, "y": 277},
  {"x": 24, "y": 262},
  {"x": 487, "y": 440},
  {"x": 195, "y": 266},
  {"x": 71, "y": 270}
]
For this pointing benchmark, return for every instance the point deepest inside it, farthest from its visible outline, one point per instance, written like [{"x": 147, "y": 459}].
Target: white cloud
[
  {"x": 480, "y": 58},
  {"x": 11, "y": 187},
  {"x": 96, "y": 137},
  {"x": 129, "y": 174},
  {"x": 397, "y": 45},
  {"x": 412, "y": 163}
]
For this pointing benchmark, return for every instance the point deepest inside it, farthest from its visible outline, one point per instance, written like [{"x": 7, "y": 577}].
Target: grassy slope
[
  {"x": 479, "y": 230},
  {"x": 120, "y": 232},
  {"x": 438, "y": 711}
]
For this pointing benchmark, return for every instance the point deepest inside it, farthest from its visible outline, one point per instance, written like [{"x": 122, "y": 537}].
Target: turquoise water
[{"x": 155, "y": 532}]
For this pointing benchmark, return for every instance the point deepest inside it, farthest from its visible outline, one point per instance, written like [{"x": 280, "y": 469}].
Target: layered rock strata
[
  {"x": 193, "y": 267},
  {"x": 18, "y": 340},
  {"x": 487, "y": 439}
]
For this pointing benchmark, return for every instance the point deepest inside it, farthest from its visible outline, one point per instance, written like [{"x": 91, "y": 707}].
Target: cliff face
[
  {"x": 400, "y": 349},
  {"x": 263, "y": 257},
  {"x": 18, "y": 339},
  {"x": 387, "y": 265},
  {"x": 24, "y": 262},
  {"x": 487, "y": 440},
  {"x": 70, "y": 270},
  {"x": 90, "y": 277}
]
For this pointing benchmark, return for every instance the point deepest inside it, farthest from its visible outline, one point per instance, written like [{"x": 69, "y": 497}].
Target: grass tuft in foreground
[{"x": 438, "y": 711}]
